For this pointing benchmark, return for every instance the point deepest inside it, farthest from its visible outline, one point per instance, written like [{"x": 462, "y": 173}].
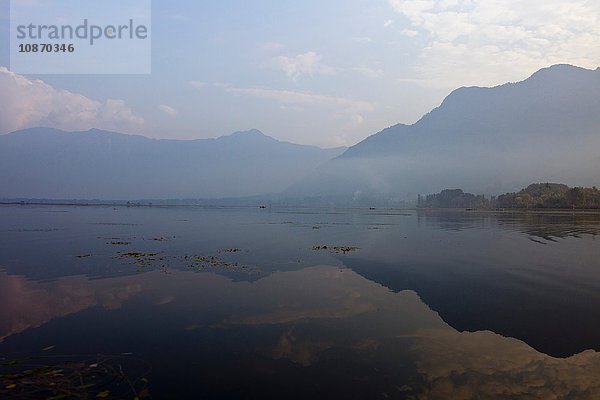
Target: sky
[{"x": 326, "y": 73}]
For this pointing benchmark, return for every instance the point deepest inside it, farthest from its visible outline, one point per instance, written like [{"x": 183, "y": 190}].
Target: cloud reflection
[
  {"x": 27, "y": 304},
  {"x": 479, "y": 365}
]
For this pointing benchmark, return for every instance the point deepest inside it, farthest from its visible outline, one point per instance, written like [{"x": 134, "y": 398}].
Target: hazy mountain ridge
[
  {"x": 485, "y": 140},
  {"x": 50, "y": 163},
  {"x": 552, "y": 91}
]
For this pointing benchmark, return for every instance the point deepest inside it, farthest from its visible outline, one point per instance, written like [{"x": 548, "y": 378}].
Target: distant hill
[
  {"x": 49, "y": 163},
  {"x": 484, "y": 140},
  {"x": 551, "y": 195},
  {"x": 534, "y": 196}
]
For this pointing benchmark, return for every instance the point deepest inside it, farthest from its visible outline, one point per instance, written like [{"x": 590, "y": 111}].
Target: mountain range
[
  {"x": 484, "y": 140},
  {"x": 95, "y": 164}
]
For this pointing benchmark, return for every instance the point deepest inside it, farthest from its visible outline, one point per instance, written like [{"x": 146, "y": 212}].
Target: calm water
[{"x": 103, "y": 302}]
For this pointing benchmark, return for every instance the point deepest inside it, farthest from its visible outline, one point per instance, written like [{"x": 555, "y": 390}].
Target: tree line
[
  {"x": 551, "y": 195},
  {"x": 537, "y": 195},
  {"x": 453, "y": 198}
]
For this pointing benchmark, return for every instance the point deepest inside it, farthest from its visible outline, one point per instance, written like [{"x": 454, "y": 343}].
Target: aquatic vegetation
[
  {"x": 141, "y": 259},
  {"x": 336, "y": 249},
  {"x": 208, "y": 262},
  {"x": 231, "y": 250},
  {"x": 74, "y": 377},
  {"x": 160, "y": 239}
]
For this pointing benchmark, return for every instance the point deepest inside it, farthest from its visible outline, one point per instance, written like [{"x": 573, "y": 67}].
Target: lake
[{"x": 226, "y": 303}]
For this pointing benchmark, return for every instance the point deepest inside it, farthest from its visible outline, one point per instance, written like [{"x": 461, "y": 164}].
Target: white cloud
[
  {"x": 387, "y": 23},
  {"x": 221, "y": 84},
  {"x": 358, "y": 119},
  {"x": 168, "y": 110},
  {"x": 289, "y": 97},
  {"x": 369, "y": 72},
  {"x": 26, "y": 103},
  {"x": 347, "y": 112},
  {"x": 308, "y": 63},
  {"x": 486, "y": 42},
  {"x": 197, "y": 84},
  {"x": 409, "y": 32}
]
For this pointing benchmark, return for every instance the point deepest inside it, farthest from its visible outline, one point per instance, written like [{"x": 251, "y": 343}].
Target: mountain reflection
[{"x": 383, "y": 343}]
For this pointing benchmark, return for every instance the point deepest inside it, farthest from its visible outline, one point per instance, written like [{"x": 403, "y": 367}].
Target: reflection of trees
[
  {"x": 451, "y": 220},
  {"x": 552, "y": 225},
  {"x": 545, "y": 225}
]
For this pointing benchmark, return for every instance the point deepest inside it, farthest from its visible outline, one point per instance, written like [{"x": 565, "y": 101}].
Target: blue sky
[{"x": 316, "y": 72}]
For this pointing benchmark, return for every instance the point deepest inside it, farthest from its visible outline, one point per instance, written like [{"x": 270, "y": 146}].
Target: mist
[
  {"x": 483, "y": 140},
  {"x": 53, "y": 164}
]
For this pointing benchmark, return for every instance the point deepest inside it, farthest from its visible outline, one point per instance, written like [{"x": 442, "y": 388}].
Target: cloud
[
  {"x": 358, "y": 119},
  {"x": 335, "y": 294},
  {"x": 349, "y": 111},
  {"x": 299, "y": 350},
  {"x": 485, "y": 42},
  {"x": 197, "y": 84},
  {"x": 295, "y": 97},
  {"x": 168, "y": 110},
  {"x": 290, "y": 97},
  {"x": 221, "y": 85},
  {"x": 27, "y": 103},
  {"x": 475, "y": 365},
  {"x": 387, "y": 23},
  {"x": 369, "y": 72},
  {"x": 409, "y": 32},
  {"x": 308, "y": 63},
  {"x": 27, "y": 304}
]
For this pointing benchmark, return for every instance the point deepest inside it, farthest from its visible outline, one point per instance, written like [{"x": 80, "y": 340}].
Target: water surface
[{"x": 297, "y": 303}]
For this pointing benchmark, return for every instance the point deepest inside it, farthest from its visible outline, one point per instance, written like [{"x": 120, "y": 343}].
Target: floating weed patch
[
  {"x": 160, "y": 239},
  {"x": 83, "y": 255},
  {"x": 208, "y": 262},
  {"x": 141, "y": 259},
  {"x": 74, "y": 377},
  {"x": 232, "y": 250},
  {"x": 336, "y": 249}
]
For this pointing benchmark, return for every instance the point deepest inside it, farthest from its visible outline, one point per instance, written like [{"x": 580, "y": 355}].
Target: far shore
[
  {"x": 208, "y": 204},
  {"x": 516, "y": 210}
]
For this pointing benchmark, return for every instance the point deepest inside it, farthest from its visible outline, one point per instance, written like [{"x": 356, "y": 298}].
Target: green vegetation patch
[{"x": 336, "y": 249}]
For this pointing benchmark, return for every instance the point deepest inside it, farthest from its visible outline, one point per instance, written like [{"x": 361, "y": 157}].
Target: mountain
[
  {"x": 49, "y": 163},
  {"x": 485, "y": 140}
]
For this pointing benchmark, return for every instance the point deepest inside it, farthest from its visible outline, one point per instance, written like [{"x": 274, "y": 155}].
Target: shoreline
[{"x": 74, "y": 203}]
